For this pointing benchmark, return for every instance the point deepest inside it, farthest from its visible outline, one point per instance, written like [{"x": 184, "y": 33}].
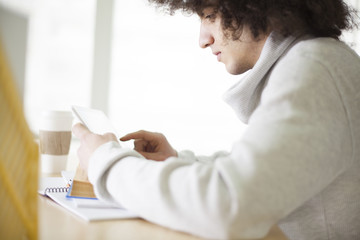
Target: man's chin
[{"x": 236, "y": 70}]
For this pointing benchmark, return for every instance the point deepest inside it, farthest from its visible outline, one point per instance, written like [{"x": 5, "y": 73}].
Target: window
[
  {"x": 160, "y": 79},
  {"x": 59, "y": 56}
]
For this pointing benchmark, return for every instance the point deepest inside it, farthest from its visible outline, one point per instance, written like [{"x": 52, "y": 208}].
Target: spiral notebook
[
  {"x": 88, "y": 209},
  {"x": 52, "y": 184}
]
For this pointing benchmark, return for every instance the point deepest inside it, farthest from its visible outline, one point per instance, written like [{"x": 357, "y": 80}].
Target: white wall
[
  {"x": 352, "y": 38},
  {"x": 14, "y": 36}
]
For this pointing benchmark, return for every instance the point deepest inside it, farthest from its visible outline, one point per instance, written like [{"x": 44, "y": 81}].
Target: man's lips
[{"x": 218, "y": 55}]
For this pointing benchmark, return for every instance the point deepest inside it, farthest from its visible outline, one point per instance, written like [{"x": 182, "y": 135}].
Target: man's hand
[
  {"x": 89, "y": 142},
  {"x": 151, "y": 145}
]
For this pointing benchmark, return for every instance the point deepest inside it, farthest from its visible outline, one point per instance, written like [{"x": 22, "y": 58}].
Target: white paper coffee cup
[{"x": 55, "y": 139}]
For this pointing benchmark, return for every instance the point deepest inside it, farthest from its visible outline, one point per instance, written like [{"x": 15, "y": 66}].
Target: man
[{"x": 298, "y": 163}]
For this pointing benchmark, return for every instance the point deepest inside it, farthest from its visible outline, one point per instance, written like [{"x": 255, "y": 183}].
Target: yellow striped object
[{"x": 18, "y": 163}]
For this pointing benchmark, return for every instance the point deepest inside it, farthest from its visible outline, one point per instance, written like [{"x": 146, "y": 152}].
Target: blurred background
[{"x": 143, "y": 68}]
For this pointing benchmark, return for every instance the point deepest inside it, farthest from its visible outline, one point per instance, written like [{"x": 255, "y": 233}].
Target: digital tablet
[{"x": 95, "y": 120}]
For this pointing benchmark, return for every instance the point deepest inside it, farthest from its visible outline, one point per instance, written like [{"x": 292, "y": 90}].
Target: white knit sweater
[{"x": 297, "y": 165}]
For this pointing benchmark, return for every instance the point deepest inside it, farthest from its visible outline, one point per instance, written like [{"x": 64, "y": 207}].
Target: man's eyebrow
[{"x": 208, "y": 10}]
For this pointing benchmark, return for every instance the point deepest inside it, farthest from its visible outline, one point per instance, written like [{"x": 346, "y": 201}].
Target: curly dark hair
[{"x": 320, "y": 18}]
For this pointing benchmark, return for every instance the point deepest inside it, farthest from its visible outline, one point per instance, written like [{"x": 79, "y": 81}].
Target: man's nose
[{"x": 205, "y": 38}]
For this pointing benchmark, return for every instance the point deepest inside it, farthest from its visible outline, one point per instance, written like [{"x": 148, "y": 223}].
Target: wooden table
[{"x": 55, "y": 222}]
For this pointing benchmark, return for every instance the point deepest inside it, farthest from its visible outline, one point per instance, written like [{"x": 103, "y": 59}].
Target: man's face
[{"x": 239, "y": 55}]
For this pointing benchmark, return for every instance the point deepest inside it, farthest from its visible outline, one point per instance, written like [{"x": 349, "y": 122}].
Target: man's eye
[{"x": 210, "y": 16}]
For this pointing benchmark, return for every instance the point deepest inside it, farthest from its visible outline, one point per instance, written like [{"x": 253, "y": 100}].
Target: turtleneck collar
[{"x": 244, "y": 96}]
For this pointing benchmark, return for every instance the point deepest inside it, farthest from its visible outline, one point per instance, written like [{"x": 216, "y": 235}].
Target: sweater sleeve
[
  {"x": 101, "y": 161},
  {"x": 296, "y": 143}
]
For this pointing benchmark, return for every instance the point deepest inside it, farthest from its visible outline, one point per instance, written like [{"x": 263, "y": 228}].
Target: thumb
[{"x": 79, "y": 130}]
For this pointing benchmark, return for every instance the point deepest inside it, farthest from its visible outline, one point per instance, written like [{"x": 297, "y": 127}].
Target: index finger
[
  {"x": 79, "y": 130},
  {"x": 145, "y": 135}
]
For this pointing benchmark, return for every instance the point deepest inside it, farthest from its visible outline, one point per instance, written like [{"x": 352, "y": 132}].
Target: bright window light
[
  {"x": 59, "y": 56},
  {"x": 163, "y": 81}
]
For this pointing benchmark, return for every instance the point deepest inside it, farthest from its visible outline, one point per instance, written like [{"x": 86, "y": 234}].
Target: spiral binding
[{"x": 56, "y": 189}]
